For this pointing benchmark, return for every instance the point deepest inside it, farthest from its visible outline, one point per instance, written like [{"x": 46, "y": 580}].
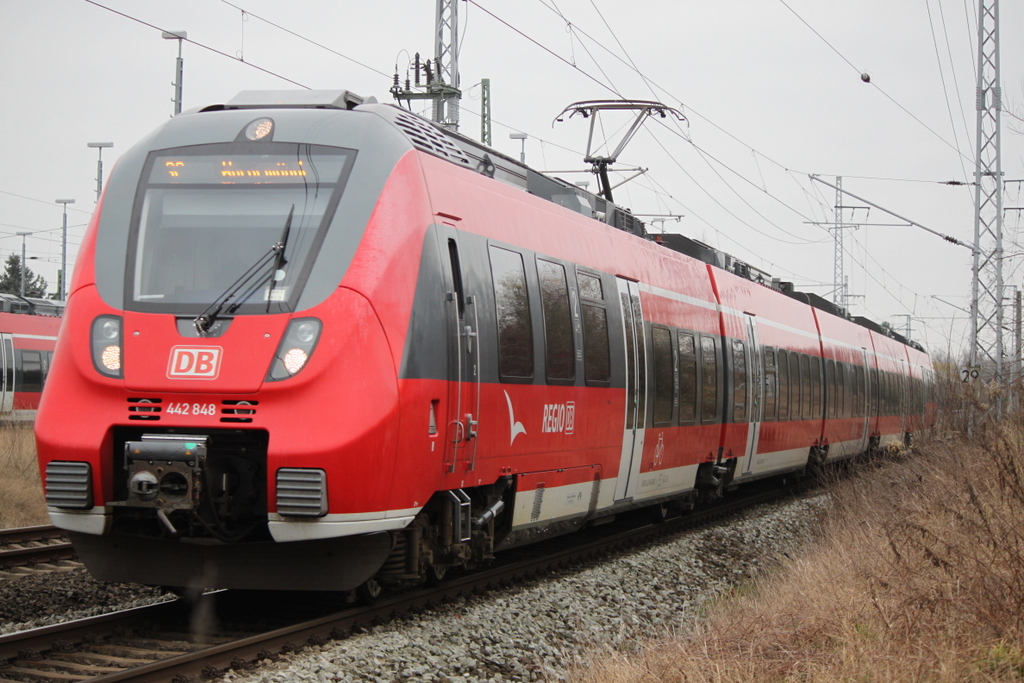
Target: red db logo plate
[{"x": 194, "y": 362}]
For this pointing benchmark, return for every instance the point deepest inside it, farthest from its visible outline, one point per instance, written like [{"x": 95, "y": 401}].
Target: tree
[{"x": 10, "y": 281}]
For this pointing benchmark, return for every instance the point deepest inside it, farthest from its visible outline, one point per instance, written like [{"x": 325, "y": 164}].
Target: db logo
[{"x": 191, "y": 362}]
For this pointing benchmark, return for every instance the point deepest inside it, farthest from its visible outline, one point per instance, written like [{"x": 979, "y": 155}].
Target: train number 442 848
[{"x": 192, "y": 409}]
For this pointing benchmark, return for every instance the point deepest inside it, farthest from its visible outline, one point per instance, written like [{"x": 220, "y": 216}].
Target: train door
[
  {"x": 636, "y": 389},
  {"x": 461, "y": 303},
  {"x": 755, "y": 391},
  {"x": 864, "y": 403},
  {"x": 7, "y": 376},
  {"x": 902, "y": 398}
]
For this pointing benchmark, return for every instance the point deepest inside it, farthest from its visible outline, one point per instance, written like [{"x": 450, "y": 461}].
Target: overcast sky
[{"x": 771, "y": 91}]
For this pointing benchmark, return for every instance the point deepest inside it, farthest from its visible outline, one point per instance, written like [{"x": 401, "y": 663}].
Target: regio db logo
[{"x": 559, "y": 418}]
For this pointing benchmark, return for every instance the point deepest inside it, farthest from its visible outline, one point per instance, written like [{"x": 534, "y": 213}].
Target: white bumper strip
[
  {"x": 95, "y": 521},
  {"x": 294, "y": 529}
]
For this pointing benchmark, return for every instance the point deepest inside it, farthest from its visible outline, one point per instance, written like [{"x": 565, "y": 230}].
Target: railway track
[
  {"x": 184, "y": 641},
  {"x": 31, "y": 549}
]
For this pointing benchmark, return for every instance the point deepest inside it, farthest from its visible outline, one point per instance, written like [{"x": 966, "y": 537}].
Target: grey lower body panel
[{"x": 321, "y": 565}]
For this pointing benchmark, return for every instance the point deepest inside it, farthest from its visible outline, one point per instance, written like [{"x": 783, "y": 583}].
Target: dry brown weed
[{"x": 21, "y": 497}]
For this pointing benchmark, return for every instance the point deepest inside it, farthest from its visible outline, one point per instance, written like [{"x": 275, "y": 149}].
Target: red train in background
[
  {"x": 28, "y": 333},
  {"x": 315, "y": 342}
]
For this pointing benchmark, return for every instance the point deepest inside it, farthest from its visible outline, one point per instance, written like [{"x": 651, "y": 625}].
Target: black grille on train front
[
  {"x": 238, "y": 411},
  {"x": 144, "y": 408},
  {"x": 69, "y": 485}
]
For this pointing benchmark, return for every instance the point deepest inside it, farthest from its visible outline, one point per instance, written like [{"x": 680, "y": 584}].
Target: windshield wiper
[
  {"x": 252, "y": 278},
  {"x": 281, "y": 261}
]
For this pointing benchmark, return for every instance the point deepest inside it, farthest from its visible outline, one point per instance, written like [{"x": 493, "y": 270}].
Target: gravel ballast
[
  {"x": 44, "y": 598},
  {"x": 540, "y": 629}
]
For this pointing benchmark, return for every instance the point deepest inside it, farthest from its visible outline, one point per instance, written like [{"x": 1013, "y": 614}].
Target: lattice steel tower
[
  {"x": 446, "y": 55},
  {"x": 987, "y": 282},
  {"x": 839, "y": 292}
]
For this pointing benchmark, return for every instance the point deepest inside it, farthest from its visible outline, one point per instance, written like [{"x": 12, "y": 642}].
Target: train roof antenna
[{"x": 591, "y": 109}]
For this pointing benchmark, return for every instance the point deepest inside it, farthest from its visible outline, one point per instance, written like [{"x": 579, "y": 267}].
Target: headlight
[
  {"x": 107, "y": 346},
  {"x": 297, "y": 346}
]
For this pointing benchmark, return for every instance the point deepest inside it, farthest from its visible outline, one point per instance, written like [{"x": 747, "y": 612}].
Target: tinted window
[
  {"x": 709, "y": 380},
  {"x": 805, "y": 386},
  {"x": 687, "y": 378},
  {"x": 858, "y": 374},
  {"x": 515, "y": 332},
  {"x": 816, "y": 387},
  {"x": 596, "y": 358},
  {"x": 590, "y": 286},
  {"x": 554, "y": 295},
  {"x": 31, "y": 371},
  {"x": 840, "y": 390},
  {"x": 739, "y": 381},
  {"x": 769, "y": 383},
  {"x": 830, "y": 388},
  {"x": 209, "y": 215},
  {"x": 664, "y": 376},
  {"x": 783, "y": 385}
]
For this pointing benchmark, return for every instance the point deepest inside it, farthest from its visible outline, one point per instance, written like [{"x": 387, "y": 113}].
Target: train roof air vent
[{"x": 427, "y": 138}]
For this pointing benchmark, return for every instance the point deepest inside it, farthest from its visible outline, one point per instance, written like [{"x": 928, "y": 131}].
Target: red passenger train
[
  {"x": 28, "y": 332},
  {"x": 314, "y": 342}
]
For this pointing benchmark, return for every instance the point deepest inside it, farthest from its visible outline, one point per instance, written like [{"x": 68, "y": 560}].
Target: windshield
[{"x": 206, "y": 215}]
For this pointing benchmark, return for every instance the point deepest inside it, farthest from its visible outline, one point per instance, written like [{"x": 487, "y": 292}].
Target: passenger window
[
  {"x": 783, "y": 385},
  {"x": 769, "y": 383},
  {"x": 554, "y": 296},
  {"x": 805, "y": 386},
  {"x": 739, "y": 381},
  {"x": 816, "y": 413},
  {"x": 596, "y": 358},
  {"x": 515, "y": 330},
  {"x": 664, "y": 376},
  {"x": 687, "y": 378},
  {"x": 709, "y": 379},
  {"x": 858, "y": 391},
  {"x": 31, "y": 371},
  {"x": 830, "y": 388},
  {"x": 590, "y": 286}
]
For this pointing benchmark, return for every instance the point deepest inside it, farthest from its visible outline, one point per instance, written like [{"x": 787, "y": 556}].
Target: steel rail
[{"x": 244, "y": 653}]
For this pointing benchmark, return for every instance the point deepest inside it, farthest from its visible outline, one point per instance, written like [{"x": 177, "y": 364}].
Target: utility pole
[
  {"x": 987, "y": 271},
  {"x": 99, "y": 147},
  {"x": 62, "y": 285},
  {"x": 485, "y": 111},
  {"x": 180, "y": 36},
  {"x": 23, "y": 235}
]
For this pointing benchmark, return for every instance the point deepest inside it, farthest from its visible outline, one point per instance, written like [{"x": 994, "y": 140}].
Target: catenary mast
[{"x": 987, "y": 281}]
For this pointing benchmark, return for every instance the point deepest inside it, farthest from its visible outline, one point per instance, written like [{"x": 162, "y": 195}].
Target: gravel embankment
[
  {"x": 53, "y": 597},
  {"x": 537, "y": 631}
]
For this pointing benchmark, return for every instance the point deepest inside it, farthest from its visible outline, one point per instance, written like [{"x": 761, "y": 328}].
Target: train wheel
[
  {"x": 436, "y": 574},
  {"x": 659, "y": 513},
  {"x": 369, "y": 591}
]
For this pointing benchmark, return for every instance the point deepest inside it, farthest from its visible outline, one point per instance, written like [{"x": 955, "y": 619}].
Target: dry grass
[
  {"x": 21, "y": 497},
  {"x": 918, "y": 576}
]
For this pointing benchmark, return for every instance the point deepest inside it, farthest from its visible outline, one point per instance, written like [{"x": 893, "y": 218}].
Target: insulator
[
  {"x": 416, "y": 68},
  {"x": 396, "y": 80},
  {"x": 430, "y": 73}
]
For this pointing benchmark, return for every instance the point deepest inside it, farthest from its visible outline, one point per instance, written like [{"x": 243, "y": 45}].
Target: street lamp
[
  {"x": 178, "y": 36},
  {"x": 63, "y": 248},
  {"x": 23, "y": 235},
  {"x": 522, "y": 138},
  {"x": 99, "y": 146}
]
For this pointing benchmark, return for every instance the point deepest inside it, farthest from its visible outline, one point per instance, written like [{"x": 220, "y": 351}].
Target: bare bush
[
  {"x": 918, "y": 576},
  {"x": 21, "y": 497}
]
